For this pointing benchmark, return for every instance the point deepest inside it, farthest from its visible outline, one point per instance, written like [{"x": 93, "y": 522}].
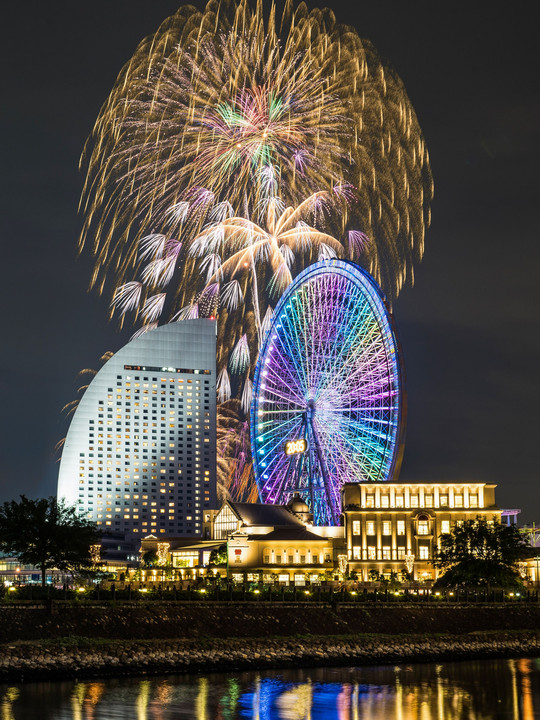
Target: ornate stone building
[{"x": 395, "y": 527}]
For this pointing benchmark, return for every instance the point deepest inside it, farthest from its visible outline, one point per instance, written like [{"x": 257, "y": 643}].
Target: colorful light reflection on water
[{"x": 476, "y": 690}]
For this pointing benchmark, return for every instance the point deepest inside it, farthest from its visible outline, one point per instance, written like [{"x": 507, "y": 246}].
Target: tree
[
  {"x": 46, "y": 533},
  {"x": 218, "y": 556},
  {"x": 150, "y": 558},
  {"x": 480, "y": 552}
]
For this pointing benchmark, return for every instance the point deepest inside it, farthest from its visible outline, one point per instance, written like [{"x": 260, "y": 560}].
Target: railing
[{"x": 138, "y": 592}]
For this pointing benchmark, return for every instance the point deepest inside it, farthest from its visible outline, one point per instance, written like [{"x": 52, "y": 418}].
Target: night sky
[{"x": 470, "y": 327}]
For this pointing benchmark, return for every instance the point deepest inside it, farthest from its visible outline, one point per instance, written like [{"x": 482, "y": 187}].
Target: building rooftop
[{"x": 266, "y": 515}]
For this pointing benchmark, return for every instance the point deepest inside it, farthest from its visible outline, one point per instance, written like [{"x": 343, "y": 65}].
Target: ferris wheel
[{"x": 327, "y": 393}]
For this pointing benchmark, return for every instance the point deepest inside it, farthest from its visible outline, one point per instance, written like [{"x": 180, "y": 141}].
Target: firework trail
[
  {"x": 233, "y": 270},
  {"x": 70, "y": 407},
  {"x": 234, "y": 469},
  {"x": 232, "y": 100}
]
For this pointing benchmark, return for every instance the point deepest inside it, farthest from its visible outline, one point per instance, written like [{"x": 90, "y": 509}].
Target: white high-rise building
[{"x": 140, "y": 453}]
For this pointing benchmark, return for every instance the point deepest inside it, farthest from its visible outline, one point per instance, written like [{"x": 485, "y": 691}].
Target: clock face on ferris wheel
[{"x": 327, "y": 394}]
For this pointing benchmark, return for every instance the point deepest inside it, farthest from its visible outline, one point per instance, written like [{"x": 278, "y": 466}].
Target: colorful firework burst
[{"x": 225, "y": 99}]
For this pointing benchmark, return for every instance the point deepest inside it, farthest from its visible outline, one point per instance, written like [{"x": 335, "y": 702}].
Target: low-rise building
[
  {"x": 395, "y": 527},
  {"x": 277, "y": 544}
]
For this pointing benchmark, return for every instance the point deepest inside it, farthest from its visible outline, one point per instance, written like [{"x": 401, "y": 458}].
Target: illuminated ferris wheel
[{"x": 327, "y": 394}]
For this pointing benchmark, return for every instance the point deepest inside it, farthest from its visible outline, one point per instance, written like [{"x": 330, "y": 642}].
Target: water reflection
[{"x": 481, "y": 690}]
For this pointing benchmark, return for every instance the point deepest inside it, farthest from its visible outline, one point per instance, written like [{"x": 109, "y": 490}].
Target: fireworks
[
  {"x": 234, "y": 150},
  {"x": 234, "y": 469},
  {"x": 234, "y": 268},
  {"x": 242, "y": 106}
]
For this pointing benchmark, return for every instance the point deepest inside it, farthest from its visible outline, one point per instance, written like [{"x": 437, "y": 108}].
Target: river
[{"x": 472, "y": 690}]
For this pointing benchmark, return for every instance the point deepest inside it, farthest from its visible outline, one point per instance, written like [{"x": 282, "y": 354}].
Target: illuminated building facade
[
  {"x": 395, "y": 527},
  {"x": 277, "y": 544},
  {"x": 140, "y": 453}
]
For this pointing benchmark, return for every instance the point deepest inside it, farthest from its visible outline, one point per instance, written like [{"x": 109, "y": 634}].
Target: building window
[
  {"x": 370, "y": 527},
  {"x": 414, "y": 501},
  {"x": 225, "y": 523},
  {"x": 423, "y": 525},
  {"x": 386, "y": 527},
  {"x": 370, "y": 501},
  {"x": 356, "y": 552},
  {"x": 386, "y": 553},
  {"x": 473, "y": 501},
  {"x": 458, "y": 501},
  {"x": 445, "y": 526},
  {"x": 423, "y": 552},
  {"x": 372, "y": 552},
  {"x": 315, "y": 558},
  {"x": 385, "y": 501},
  {"x": 428, "y": 501},
  {"x": 266, "y": 559},
  {"x": 399, "y": 501},
  {"x": 443, "y": 500},
  {"x": 356, "y": 527},
  {"x": 401, "y": 527},
  {"x": 400, "y": 553}
]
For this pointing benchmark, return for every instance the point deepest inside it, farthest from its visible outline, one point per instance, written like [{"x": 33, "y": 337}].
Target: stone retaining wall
[
  {"x": 45, "y": 661},
  {"x": 256, "y": 619}
]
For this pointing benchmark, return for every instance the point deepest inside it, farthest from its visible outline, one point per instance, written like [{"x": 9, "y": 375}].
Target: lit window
[
  {"x": 356, "y": 527},
  {"x": 401, "y": 527},
  {"x": 370, "y": 527},
  {"x": 372, "y": 552},
  {"x": 386, "y": 527},
  {"x": 423, "y": 552},
  {"x": 445, "y": 526}
]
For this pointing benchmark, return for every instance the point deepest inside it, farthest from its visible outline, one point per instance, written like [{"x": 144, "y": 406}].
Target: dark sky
[{"x": 470, "y": 327}]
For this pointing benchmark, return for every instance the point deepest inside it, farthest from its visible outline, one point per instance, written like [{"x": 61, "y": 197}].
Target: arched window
[{"x": 422, "y": 524}]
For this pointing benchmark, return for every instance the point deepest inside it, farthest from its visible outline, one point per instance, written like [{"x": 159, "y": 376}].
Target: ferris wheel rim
[{"x": 378, "y": 307}]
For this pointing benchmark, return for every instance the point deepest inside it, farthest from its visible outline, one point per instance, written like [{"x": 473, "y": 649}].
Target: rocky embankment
[
  {"x": 25, "y": 661},
  {"x": 96, "y": 641}
]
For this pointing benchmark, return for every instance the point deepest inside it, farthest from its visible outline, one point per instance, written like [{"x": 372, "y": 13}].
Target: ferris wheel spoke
[
  {"x": 298, "y": 335},
  {"x": 274, "y": 384},
  {"x": 289, "y": 356}
]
